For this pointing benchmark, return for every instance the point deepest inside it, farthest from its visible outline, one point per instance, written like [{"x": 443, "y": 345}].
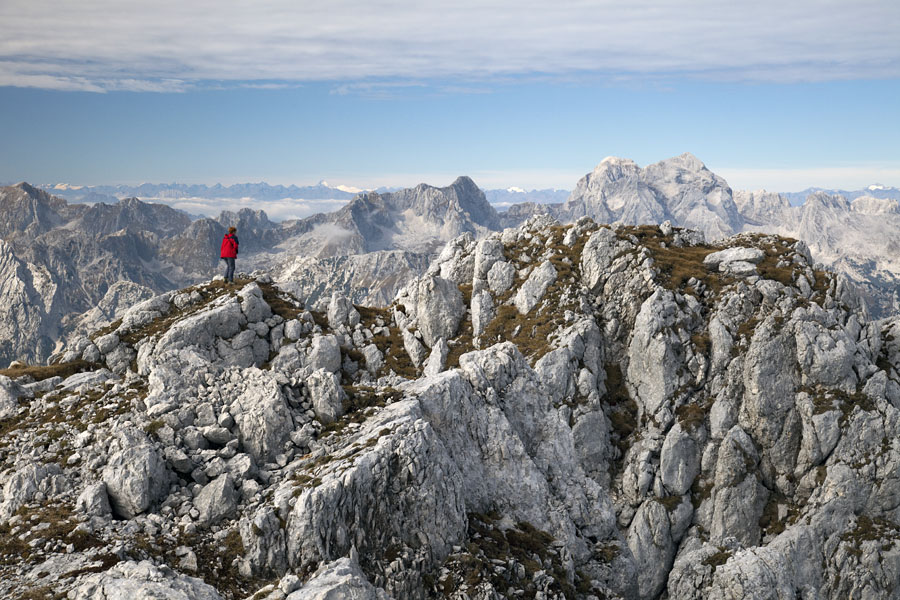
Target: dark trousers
[{"x": 229, "y": 269}]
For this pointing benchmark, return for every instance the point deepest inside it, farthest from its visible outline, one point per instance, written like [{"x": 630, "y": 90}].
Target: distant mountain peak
[
  {"x": 613, "y": 168},
  {"x": 688, "y": 159},
  {"x": 464, "y": 181},
  {"x": 28, "y": 188}
]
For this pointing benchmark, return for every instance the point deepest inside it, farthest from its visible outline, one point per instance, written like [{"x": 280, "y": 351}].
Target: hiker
[{"x": 229, "y": 253}]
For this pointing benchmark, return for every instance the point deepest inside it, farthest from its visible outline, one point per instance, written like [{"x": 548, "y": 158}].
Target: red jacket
[{"x": 229, "y": 246}]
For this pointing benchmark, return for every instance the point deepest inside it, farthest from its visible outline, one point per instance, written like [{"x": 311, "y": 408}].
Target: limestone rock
[
  {"x": 339, "y": 579},
  {"x": 487, "y": 252},
  {"x": 263, "y": 420},
  {"x": 216, "y": 501},
  {"x": 10, "y": 392},
  {"x": 373, "y": 357},
  {"x": 26, "y": 482},
  {"x": 135, "y": 478},
  {"x": 437, "y": 359},
  {"x": 600, "y": 251},
  {"x": 326, "y": 394},
  {"x": 723, "y": 258},
  {"x": 532, "y": 291},
  {"x": 142, "y": 581},
  {"x": 650, "y": 541},
  {"x": 439, "y": 309},
  {"x": 253, "y": 306},
  {"x": 414, "y": 348},
  {"x": 679, "y": 462},
  {"x": 501, "y": 276},
  {"x": 482, "y": 311},
  {"x": 341, "y": 312},
  {"x": 93, "y": 501},
  {"x": 325, "y": 353}
]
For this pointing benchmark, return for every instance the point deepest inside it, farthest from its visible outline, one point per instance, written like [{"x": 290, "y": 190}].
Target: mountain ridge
[
  {"x": 556, "y": 411},
  {"x": 162, "y": 248}
]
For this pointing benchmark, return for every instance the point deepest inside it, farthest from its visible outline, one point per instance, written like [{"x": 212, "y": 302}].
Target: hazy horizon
[{"x": 773, "y": 95}]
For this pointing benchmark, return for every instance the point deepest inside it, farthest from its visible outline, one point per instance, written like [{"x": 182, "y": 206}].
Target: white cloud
[
  {"x": 171, "y": 45},
  {"x": 277, "y": 210}
]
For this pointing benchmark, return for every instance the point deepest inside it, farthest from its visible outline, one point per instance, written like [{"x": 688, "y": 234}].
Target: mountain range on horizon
[
  {"x": 64, "y": 258},
  {"x": 262, "y": 191}
]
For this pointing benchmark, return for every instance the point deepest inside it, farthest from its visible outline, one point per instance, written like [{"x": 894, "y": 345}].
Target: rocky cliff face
[
  {"x": 550, "y": 412},
  {"x": 680, "y": 189},
  {"x": 61, "y": 260},
  {"x": 417, "y": 219},
  {"x": 27, "y": 211},
  {"x": 856, "y": 238}
]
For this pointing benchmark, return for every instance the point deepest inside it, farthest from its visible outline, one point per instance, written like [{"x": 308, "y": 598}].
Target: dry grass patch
[
  {"x": 391, "y": 346},
  {"x": 677, "y": 266},
  {"x": 41, "y": 372},
  {"x": 361, "y": 402},
  {"x": 690, "y": 416},
  {"x": 869, "y": 529},
  {"x": 283, "y": 304},
  {"x": 490, "y": 545},
  {"x": 719, "y": 558},
  {"x": 54, "y": 523},
  {"x": 531, "y": 332}
]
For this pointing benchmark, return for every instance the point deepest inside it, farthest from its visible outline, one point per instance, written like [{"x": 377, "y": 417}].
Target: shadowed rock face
[
  {"x": 28, "y": 211},
  {"x": 654, "y": 423},
  {"x": 416, "y": 218},
  {"x": 131, "y": 213}
]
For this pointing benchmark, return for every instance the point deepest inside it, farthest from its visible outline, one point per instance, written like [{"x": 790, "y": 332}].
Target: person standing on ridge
[{"x": 229, "y": 253}]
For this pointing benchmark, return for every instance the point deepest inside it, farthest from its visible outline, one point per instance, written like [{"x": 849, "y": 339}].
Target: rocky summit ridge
[
  {"x": 60, "y": 261},
  {"x": 65, "y": 260},
  {"x": 553, "y": 411}
]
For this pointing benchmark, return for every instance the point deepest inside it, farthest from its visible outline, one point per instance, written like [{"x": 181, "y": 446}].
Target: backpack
[{"x": 229, "y": 247}]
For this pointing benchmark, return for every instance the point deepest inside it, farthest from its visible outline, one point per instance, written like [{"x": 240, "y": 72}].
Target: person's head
[{"x": 232, "y": 230}]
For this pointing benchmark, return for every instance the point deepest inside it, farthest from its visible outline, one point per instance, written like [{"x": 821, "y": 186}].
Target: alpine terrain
[
  {"x": 551, "y": 411},
  {"x": 67, "y": 267}
]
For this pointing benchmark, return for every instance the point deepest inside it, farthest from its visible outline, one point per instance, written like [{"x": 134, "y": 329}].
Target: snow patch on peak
[
  {"x": 343, "y": 188},
  {"x": 616, "y": 161}
]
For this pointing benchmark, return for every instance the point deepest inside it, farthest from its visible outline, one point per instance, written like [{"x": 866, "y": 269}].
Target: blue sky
[{"x": 530, "y": 94}]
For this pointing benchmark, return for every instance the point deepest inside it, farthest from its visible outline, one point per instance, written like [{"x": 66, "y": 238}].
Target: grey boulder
[{"x": 135, "y": 478}]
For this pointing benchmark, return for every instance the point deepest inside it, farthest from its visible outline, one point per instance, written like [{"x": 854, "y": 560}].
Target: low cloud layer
[
  {"x": 106, "y": 45},
  {"x": 277, "y": 210}
]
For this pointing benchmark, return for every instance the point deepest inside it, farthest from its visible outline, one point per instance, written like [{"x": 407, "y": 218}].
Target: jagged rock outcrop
[
  {"x": 371, "y": 279},
  {"x": 656, "y": 424},
  {"x": 28, "y": 296},
  {"x": 79, "y": 252},
  {"x": 142, "y": 581},
  {"x": 370, "y": 248}
]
